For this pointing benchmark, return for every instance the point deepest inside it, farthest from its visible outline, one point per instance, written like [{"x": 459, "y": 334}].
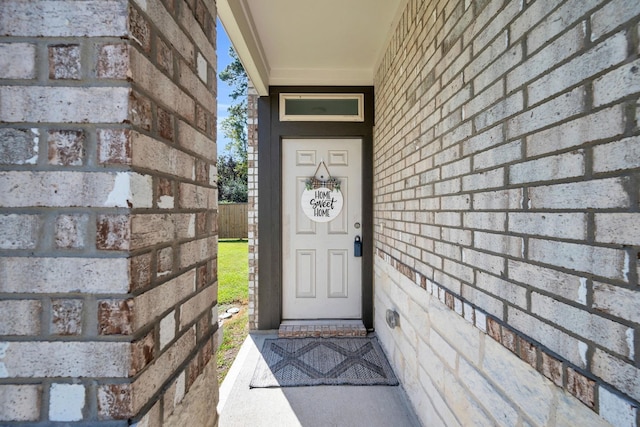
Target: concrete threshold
[{"x": 321, "y": 406}]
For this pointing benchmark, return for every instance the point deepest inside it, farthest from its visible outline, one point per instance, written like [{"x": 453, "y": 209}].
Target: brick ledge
[{"x": 322, "y": 329}]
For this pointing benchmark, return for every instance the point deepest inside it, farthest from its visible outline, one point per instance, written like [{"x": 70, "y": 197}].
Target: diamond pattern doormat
[{"x": 287, "y": 362}]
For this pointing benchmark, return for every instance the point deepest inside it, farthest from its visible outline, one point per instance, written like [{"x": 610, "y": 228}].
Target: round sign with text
[{"x": 321, "y": 204}]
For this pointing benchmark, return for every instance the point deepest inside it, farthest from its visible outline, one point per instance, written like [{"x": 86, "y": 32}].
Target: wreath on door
[{"x": 330, "y": 182}]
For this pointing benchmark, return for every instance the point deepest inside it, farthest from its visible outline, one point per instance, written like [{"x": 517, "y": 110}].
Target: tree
[
  {"x": 233, "y": 169},
  {"x": 232, "y": 181}
]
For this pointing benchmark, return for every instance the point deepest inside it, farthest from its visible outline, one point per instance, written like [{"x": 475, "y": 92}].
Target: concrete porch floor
[{"x": 320, "y": 406}]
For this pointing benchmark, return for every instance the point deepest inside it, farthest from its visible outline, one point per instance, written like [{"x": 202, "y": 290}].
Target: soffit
[{"x": 309, "y": 42}]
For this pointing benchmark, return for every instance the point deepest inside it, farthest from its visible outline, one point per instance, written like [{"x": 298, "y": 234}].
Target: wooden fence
[{"x": 233, "y": 221}]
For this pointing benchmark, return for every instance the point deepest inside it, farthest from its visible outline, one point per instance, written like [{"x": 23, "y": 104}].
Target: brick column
[
  {"x": 252, "y": 148},
  {"x": 108, "y": 236}
]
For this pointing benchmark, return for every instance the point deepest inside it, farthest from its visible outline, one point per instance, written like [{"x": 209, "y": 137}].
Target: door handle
[{"x": 357, "y": 247}]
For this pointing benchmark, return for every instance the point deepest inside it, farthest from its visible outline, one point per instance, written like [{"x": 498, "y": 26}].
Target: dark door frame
[{"x": 271, "y": 131}]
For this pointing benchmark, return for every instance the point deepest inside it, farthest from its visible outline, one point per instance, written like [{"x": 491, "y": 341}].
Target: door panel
[
  {"x": 306, "y": 274},
  {"x": 321, "y": 276},
  {"x": 338, "y": 274},
  {"x": 340, "y": 224}
]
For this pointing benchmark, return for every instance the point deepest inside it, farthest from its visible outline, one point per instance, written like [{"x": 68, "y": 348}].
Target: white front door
[{"x": 321, "y": 277}]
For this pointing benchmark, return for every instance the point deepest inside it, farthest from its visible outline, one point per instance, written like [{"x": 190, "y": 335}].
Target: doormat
[{"x": 296, "y": 362}]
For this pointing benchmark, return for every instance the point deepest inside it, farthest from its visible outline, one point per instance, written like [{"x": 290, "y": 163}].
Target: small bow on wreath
[{"x": 314, "y": 182}]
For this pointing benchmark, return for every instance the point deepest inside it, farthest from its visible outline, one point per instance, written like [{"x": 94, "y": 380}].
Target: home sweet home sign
[
  {"x": 321, "y": 204},
  {"x": 322, "y": 199}
]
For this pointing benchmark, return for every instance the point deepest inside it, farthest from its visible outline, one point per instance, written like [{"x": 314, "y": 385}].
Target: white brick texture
[
  {"x": 20, "y": 402},
  {"x": 20, "y": 317},
  {"x": 17, "y": 60},
  {"x": 506, "y": 189},
  {"x": 108, "y": 235},
  {"x": 63, "y": 104},
  {"x": 66, "y": 402}
]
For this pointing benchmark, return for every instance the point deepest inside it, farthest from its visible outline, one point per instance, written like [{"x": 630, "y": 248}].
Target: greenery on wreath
[{"x": 331, "y": 183}]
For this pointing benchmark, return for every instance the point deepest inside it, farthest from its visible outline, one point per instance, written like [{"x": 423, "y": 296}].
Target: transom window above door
[{"x": 342, "y": 107}]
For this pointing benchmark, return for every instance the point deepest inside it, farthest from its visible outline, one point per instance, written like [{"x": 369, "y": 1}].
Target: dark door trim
[{"x": 270, "y": 134}]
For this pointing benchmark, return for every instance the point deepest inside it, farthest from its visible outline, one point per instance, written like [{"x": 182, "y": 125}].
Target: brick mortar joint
[{"x": 399, "y": 266}]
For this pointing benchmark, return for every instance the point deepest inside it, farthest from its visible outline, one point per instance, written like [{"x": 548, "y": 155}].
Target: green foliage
[
  {"x": 233, "y": 289},
  {"x": 233, "y": 271},
  {"x": 232, "y": 169},
  {"x": 232, "y": 180},
  {"x": 235, "y": 76}
]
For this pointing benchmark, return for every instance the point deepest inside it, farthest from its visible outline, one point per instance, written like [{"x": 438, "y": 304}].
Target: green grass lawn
[
  {"x": 233, "y": 290},
  {"x": 233, "y": 271}
]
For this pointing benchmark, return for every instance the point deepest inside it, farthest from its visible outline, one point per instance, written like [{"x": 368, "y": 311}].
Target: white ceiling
[{"x": 309, "y": 42}]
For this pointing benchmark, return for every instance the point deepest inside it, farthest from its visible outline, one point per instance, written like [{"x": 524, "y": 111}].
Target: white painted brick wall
[
  {"x": 64, "y": 19},
  {"x": 65, "y": 189},
  {"x": 596, "y": 194},
  {"x": 20, "y": 317},
  {"x": 66, "y": 402},
  {"x": 485, "y": 221},
  {"x": 527, "y": 185},
  {"x": 68, "y": 68},
  {"x": 612, "y": 15},
  {"x": 489, "y": 304},
  {"x": 605, "y": 262},
  {"x": 549, "y": 168},
  {"x": 559, "y": 225},
  {"x": 20, "y": 402},
  {"x": 623, "y": 376},
  {"x": 552, "y": 54},
  {"x": 611, "y": 51},
  {"x": 558, "y": 21},
  {"x": 617, "y": 84},
  {"x": 622, "y": 228},
  {"x": 159, "y": 299},
  {"x": 63, "y": 104},
  {"x": 17, "y": 60},
  {"x": 546, "y": 114},
  {"x": 501, "y": 110},
  {"x": 498, "y": 156},
  {"x": 196, "y": 306},
  {"x": 19, "y": 231},
  {"x": 557, "y": 341},
  {"x": 516, "y": 295},
  {"x": 616, "y": 301},
  {"x": 152, "y": 154},
  {"x": 603, "y": 332},
  {"x": 65, "y": 359},
  {"x": 603, "y": 124},
  {"x": 570, "y": 287},
  {"x": 62, "y": 275},
  {"x": 484, "y": 180},
  {"x": 499, "y": 243},
  {"x": 530, "y": 17},
  {"x": 167, "y": 329},
  {"x": 617, "y": 155},
  {"x": 498, "y": 200},
  {"x": 146, "y": 384},
  {"x": 161, "y": 87}
]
